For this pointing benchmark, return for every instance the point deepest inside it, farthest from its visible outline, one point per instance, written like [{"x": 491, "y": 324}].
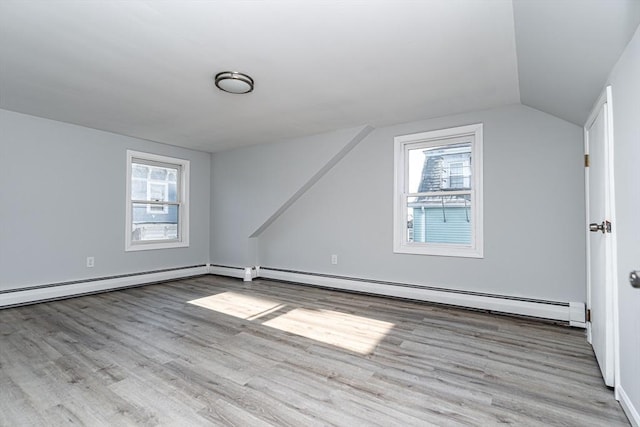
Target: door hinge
[
  {"x": 588, "y": 315},
  {"x": 586, "y": 161}
]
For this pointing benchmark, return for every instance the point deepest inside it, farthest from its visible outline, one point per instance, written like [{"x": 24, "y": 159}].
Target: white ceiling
[{"x": 144, "y": 68}]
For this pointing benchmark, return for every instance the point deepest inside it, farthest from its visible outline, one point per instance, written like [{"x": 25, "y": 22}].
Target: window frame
[
  {"x": 182, "y": 202},
  {"x": 441, "y": 137}
]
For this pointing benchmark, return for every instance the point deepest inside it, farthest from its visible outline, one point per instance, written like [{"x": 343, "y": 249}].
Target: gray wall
[
  {"x": 63, "y": 199},
  {"x": 533, "y": 213},
  {"x": 625, "y": 85},
  {"x": 251, "y": 184}
]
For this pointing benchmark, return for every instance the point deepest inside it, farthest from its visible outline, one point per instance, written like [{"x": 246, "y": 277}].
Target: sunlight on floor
[
  {"x": 355, "y": 333},
  {"x": 238, "y": 305},
  {"x": 347, "y": 331}
]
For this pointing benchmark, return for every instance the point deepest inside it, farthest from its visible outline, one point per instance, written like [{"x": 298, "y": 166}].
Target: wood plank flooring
[{"x": 216, "y": 351}]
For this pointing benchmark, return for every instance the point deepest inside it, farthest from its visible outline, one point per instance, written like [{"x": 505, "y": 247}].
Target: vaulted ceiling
[{"x": 145, "y": 68}]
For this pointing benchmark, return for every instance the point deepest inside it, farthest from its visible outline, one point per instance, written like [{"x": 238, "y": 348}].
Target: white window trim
[
  {"x": 183, "y": 198},
  {"x": 400, "y": 243}
]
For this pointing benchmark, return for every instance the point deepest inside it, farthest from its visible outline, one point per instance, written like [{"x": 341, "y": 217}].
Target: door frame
[{"x": 605, "y": 99}]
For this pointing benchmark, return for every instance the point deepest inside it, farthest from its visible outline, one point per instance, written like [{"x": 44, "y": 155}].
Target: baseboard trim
[
  {"x": 572, "y": 313},
  {"x": 225, "y": 270},
  {"x": 627, "y": 406},
  {"x": 577, "y": 315},
  {"x": 56, "y": 291}
]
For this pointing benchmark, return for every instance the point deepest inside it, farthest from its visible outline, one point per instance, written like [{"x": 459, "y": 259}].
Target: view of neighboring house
[
  {"x": 440, "y": 212},
  {"x": 154, "y": 192}
]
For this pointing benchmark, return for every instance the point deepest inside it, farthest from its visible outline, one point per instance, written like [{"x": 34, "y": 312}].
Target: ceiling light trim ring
[{"x": 236, "y": 77}]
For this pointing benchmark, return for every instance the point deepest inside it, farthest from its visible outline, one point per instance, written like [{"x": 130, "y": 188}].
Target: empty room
[{"x": 312, "y": 213}]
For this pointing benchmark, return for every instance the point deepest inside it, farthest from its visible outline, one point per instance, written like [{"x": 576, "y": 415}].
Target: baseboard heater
[
  {"x": 54, "y": 291},
  {"x": 233, "y": 271},
  {"x": 570, "y": 312}
]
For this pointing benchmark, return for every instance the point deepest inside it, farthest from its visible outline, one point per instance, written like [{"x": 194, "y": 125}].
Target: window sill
[
  {"x": 436, "y": 250},
  {"x": 155, "y": 245}
]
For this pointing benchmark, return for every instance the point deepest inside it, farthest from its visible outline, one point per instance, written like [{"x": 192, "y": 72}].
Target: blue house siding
[
  {"x": 441, "y": 225},
  {"x": 142, "y": 216}
]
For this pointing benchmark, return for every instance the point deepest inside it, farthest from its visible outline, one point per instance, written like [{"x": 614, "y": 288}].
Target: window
[
  {"x": 438, "y": 192},
  {"x": 157, "y": 214},
  {"x": 459, "y": 174}
]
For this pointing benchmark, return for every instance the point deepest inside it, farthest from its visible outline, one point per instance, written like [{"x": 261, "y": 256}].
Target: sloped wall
[
  {"x": 533, "y": 213},
  {"x": 250, "y": 185}
]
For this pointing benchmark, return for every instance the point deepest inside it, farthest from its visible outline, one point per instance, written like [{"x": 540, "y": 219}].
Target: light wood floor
[{"x": 215, "y": 351}]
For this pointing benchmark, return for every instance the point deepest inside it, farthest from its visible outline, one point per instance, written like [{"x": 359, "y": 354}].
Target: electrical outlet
[
  {"x": 334, "y": 259},
  {"x": 91, "y": 262}
]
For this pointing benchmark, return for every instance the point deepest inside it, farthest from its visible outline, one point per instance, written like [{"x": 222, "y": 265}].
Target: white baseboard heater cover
[
  {"x": 571, "y": 312},
  {"x": 55, "y": 291}
]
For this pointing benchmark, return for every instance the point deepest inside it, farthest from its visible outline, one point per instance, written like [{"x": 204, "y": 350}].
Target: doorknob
[
  {"x": 605, "y": 227},
  {"x": 634, "y": 279},
  {"x": 595, "y": 227}
]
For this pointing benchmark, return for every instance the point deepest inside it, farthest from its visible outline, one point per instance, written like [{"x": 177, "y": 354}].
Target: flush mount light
[{"x": 234, "y": 82}]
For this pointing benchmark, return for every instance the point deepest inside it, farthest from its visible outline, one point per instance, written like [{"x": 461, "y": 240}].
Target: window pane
[
  {"x": 158, "y": 174},
  {"x": 154, "y": 222},
  {"x": 172, "y": 195},
  {"x": 154, "y": 183},
  {"x": 139, "y": 171},
  {"x": 458, "y": 175},
  {"x": 139, "y": 189},
  {"x": 158, "y": 192},
  {"x": 439, "y": 219},
  {"x": 441, "y": 168}
]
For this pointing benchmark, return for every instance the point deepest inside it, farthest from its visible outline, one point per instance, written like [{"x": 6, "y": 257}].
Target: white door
[{"x": 601, "y": 250}]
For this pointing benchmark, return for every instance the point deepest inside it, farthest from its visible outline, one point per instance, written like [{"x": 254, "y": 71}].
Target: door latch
[{"x": 605, "y": 227}]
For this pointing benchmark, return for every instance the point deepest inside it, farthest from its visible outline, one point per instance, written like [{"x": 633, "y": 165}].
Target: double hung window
[
  {"x": 157, "y": 202},
  {"x": 438, "y": 192}
]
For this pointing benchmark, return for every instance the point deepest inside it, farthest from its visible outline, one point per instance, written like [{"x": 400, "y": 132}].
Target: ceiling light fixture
[{"x": 234, "y": 82}]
